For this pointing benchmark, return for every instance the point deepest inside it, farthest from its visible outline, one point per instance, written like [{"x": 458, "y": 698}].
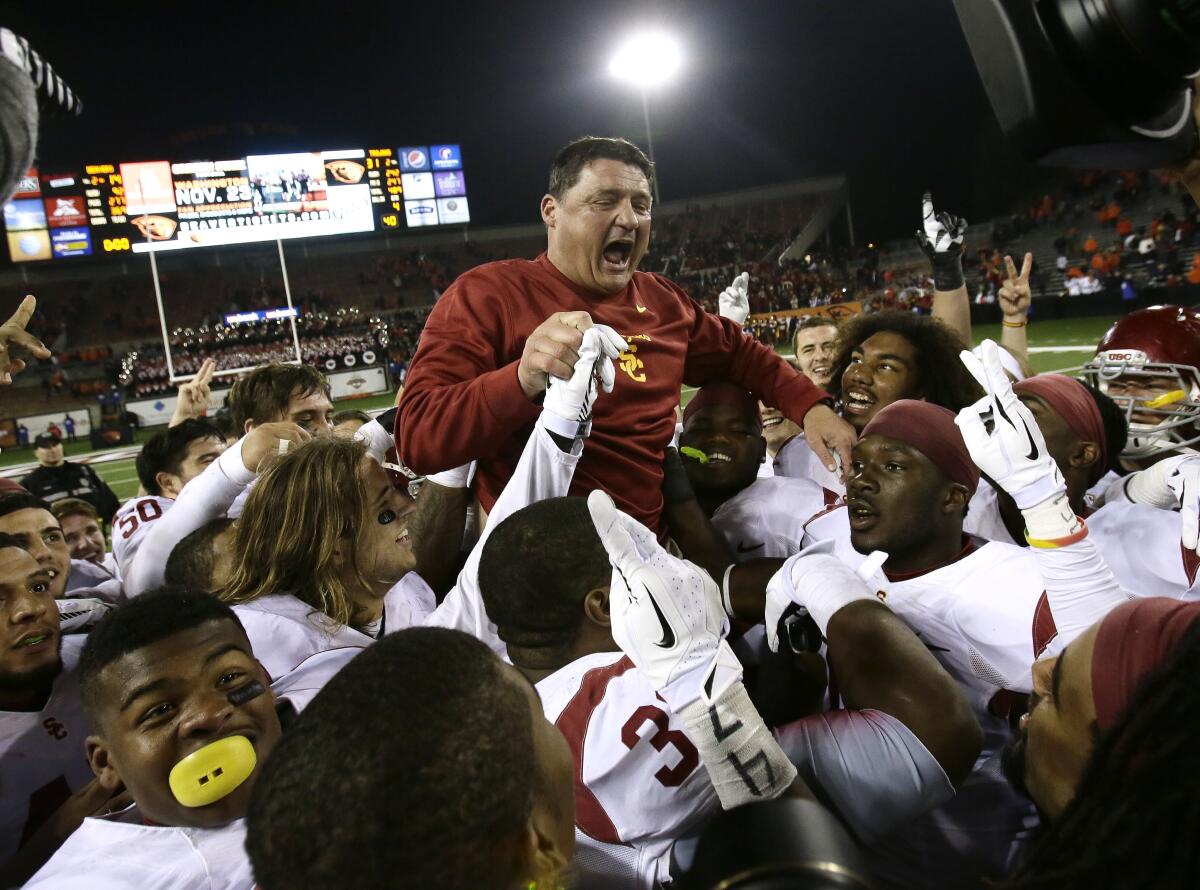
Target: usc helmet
[{"x": 1153, "y": 344}]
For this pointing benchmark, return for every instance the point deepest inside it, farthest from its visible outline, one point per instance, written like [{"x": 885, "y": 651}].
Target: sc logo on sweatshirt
[{"x": 628, "y": 360}]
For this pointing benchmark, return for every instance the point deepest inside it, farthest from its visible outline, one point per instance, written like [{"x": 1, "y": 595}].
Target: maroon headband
[
  {"x": 724, "y": 394},
  {"x": 1134, "y": 639},
  {"x": 1072, "y": 402},
  {"x": 932, "y": 431}
]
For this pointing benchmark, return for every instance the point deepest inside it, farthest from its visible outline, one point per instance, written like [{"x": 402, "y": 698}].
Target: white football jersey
[
  {"x": 284, "y": 631},
  {"x": 985, "y": 615},
  {"x": 640, "y": 785},
  {"x": 42, "y": 759},
  {"x": 797, "y": 460},
  {"x": 121, "y": 852},
  {"x": 1142, "y": 546},
  {"x": 300, "y": 686},
  {"x": 767, "y": 517},
  {"x": 130, "y": 525}
]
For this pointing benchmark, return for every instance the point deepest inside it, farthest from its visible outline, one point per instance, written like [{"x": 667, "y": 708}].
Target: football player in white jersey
[
  {"x": 277, "y": 393},
  {"x": 639, "y": 785},
  {"x": 167, "y": 462},
  {"x": 456, "y": 781},
  {"x": 182, "y": 717},
  {"x": 983, "y": 610},
  {"x": 84, "y": 536},
  {"x": 30, "y": 519},
  {"x": 721, "y": 447},
  {"x": 46, "y": 787},
  {"x": 881, "y": 358}
]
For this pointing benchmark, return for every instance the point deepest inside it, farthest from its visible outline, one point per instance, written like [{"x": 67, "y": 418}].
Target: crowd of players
[{"x": 919, "y": 616}]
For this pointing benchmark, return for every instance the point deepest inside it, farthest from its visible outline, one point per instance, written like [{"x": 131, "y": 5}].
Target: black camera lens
[{"x": 1133, "y": 56}]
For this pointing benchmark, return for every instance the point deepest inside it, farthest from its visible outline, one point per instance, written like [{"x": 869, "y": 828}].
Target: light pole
[{"x": 647, "y": 60}]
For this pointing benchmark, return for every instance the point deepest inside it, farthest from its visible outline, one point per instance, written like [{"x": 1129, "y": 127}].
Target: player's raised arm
[
  {"x": 941, "y": 238},
  {"x": 667, "y": 617},
  {"x": 1080, "y": 586}
]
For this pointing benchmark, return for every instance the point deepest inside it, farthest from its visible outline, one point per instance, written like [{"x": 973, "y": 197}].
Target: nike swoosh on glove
[
  {"x": 1013, "y": 454},
  {"x": 666, "y": 612}
]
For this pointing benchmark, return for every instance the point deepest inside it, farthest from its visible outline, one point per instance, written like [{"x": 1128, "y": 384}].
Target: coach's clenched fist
[{"x": 552, "y": 348}]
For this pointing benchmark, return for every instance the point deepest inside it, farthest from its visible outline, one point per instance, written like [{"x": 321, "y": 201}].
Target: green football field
[{"x": 1057, "y": 344}]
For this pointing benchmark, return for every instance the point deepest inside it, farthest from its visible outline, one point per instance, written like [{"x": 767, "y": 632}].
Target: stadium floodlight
[{"x": 647, "y": 59}]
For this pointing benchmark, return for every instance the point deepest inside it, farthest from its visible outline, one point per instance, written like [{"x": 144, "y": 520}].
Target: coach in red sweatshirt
[{"x": 479, "y": 374}]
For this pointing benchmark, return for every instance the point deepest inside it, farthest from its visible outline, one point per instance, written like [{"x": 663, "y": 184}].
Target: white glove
[
  {"x": 666, "y": 612},
  {"x": 1014, "y": 453},
  {"x": 1170, "y": 483},
  {"x": 734, "y": 301},
  {"x": 1185, "y": 482},
  {"x": 567, "y": 409},
  {"x": 817, "y": 583},
  {"x": 943, "y": 232}
]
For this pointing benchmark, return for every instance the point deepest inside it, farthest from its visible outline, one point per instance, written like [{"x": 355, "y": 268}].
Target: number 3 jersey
[
  {"x": 42, "y": 758},
  {"x": 130, "y": 525},
  {"x": 640, "y": 785}
]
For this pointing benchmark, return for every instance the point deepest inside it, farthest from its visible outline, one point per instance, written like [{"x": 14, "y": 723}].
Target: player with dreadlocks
[
  {"x": 883, "y": 358},
  {"x": 1107, "y": 751}
]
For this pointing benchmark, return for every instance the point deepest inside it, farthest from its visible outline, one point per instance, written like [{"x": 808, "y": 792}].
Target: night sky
[{"x": 882, "y": 90}]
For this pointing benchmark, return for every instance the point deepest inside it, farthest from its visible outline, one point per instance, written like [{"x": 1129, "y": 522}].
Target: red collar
[{"x": 967, "y": 550}]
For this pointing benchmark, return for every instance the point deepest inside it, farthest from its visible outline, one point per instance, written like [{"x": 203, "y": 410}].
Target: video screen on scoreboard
[{"x": 138, "y": 206}]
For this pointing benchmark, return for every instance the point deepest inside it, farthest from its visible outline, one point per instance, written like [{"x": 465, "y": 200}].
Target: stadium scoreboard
[{"x": 137, "y": 206}]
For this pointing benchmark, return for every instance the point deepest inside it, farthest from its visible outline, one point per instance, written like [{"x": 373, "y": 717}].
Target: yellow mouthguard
[
  {"x": 207, "y": 775},
  {"x": 1169, "y": 398}
]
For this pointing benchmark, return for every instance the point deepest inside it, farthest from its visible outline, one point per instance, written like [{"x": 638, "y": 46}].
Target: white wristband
[
  {"x": 743, "y": 759},
  {"x": 1052, "y": 519},
  {"x": 570, "y": 429}
]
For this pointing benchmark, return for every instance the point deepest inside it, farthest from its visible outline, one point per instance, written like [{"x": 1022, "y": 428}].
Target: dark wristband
[{"x": 676, "y": 487}]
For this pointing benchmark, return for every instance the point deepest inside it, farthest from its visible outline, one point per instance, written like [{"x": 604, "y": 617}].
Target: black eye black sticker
[
  {"x": 386, "y": 516},
  {"x": 246, "y": 693}
]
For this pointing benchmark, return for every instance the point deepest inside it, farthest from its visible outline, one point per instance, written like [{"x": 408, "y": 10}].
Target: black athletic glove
[{"x": 941, "y": 238}]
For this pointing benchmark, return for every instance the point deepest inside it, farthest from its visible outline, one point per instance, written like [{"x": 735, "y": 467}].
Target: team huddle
[{"x": 536, "y": 626}]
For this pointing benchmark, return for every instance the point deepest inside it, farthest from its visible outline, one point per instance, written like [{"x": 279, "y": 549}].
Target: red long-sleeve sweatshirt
[{"x": 462, "y": 400}]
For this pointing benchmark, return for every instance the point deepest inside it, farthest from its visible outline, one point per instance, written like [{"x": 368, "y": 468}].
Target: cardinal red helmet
[{"x": 1149, "y": 364}]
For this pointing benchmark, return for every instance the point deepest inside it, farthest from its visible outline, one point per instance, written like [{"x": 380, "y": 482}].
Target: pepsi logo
[{"x": 416, "y": 157}]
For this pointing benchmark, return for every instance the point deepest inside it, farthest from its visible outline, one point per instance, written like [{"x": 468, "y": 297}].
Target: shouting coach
[{"x": 479, "y": 374}]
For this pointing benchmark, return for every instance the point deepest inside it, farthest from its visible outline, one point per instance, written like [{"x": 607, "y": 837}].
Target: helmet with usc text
[{"x": 1149, "y": 364}]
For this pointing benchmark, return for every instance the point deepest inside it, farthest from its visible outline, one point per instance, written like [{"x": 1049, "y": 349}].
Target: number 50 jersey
[{"x": 130, "y": 525}]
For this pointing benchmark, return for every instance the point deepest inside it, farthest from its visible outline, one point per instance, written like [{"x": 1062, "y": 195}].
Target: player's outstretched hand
[
  {"x": 830, "y": 438},
  {"x": 193, "y": 395},
  {"x": 734, "y": 302},
  {"x": 567, "y": 409},
  {"x": 13, "y": 334},
  {"x": 1015, "y": 295},
  {"x": 1013, "y": 453},
  {"x": 666, "y": 612},
  {"x": 270, "y": 440},
  {"x": 552, "y": 349},
  {"x": 1172, "y": 483}
]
